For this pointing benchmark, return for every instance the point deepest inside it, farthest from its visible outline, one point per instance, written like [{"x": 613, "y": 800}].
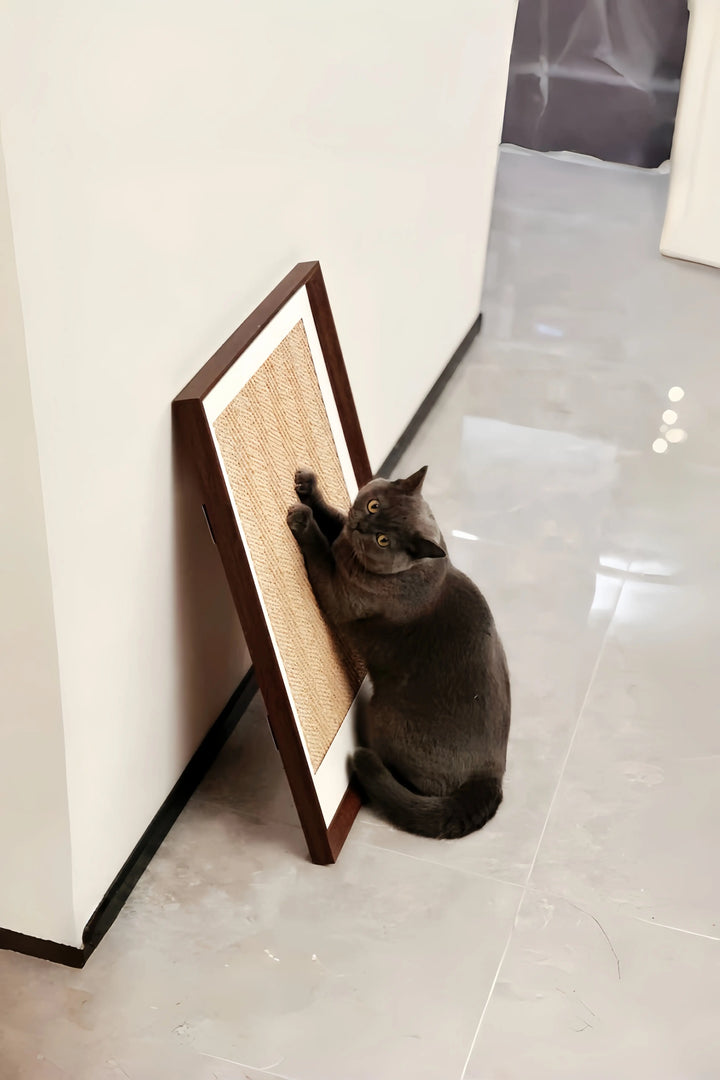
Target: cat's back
[
  {"x": 448, "y": 627},
  {"x": 461, "y": 601},
  {"x": 463, "y": 654}
]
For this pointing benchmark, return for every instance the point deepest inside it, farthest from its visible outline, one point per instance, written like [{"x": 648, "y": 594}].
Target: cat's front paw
[
  {"x": 299, "y": 518},
  {"x": 305, "y": 483}
]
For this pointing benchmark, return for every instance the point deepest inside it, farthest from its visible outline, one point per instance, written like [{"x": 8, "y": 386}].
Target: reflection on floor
[{"x": 575, "y": 468}]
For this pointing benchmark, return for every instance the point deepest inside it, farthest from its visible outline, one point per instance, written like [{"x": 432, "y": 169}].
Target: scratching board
[
  {"x": 276, "y": 397},
  {"x": 276, "y": 424}
]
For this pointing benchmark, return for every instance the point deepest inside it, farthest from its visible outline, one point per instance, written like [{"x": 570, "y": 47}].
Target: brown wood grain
[
  {"x": 325, "y": 323},
  {"x": 342, "y": 822}
]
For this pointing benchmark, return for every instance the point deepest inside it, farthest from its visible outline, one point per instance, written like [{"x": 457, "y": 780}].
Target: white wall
[
  {"x": 35, "y": 878},
  {"x": 167, "y": 164},
  {"x": 692, "y": 221}
]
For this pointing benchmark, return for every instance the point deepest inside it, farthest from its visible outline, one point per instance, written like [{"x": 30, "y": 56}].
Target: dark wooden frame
[{"x": 324, "y": 842}]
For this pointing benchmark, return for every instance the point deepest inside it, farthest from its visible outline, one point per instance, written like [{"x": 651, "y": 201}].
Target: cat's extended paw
[
  {"x": 305, "y": 483},
  {"x": 299, "y": 518}
]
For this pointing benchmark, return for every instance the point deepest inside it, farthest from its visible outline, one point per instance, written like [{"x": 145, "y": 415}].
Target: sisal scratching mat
[
  {"x": 276, "y": 424},
  {"x": 274, "y": 398}
]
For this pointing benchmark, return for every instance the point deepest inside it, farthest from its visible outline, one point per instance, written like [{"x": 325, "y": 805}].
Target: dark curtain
[{"x": 599, "y": 77}]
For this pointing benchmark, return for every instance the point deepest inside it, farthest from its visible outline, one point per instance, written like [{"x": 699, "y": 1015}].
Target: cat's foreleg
[
  {"x": 319, "y": 560},
  {"x": 329, "y": 520}
]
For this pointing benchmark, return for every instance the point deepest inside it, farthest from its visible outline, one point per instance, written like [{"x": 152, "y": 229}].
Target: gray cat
[{"x": 434, "y": 736}]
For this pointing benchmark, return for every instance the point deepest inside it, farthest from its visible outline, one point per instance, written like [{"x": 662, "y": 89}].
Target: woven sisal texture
[{"x": 276, "y": 424}]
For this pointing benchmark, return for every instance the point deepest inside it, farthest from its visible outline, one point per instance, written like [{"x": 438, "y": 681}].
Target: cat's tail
[{"x": 442, "y": 816}]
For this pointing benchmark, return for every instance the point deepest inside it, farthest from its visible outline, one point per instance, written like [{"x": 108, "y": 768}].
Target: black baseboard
[
  {"x": 68, "y": 955},
  {"x": 429, "y": 401},
  {"x": 127, "y": 878}
]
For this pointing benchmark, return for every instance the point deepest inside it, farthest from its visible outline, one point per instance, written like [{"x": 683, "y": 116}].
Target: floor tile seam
[
  {"x": 249, "y": 816},
  {"x": 576, "y": 728},
  {"x": 491, "y": 991},
  {"x": 585, "y": 906},
  {"x": 675, "y": 929},
  {"x": 245, "y": 1065},
  {"x": 474, "y": 874}
]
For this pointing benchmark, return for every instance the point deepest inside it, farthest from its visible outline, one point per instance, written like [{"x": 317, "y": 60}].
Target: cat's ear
[
  {"x": 422, "y": 548},
  {"x": 412, "y": 483}
]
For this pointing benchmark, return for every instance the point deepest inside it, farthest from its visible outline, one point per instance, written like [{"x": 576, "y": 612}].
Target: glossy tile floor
[{"x": 578, "y": 935}]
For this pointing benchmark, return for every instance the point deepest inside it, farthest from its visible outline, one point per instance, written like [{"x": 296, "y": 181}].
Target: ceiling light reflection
[
  {"x": 669, "y": 416},
  {"x": 549, "y": 331},
  {"x": 676, "y": 393},
  {"x": 659, "y": 446},
  {"x": 613, "y": 562},
  {"x": 676, "y": 435},
  {"x": 606, "y": 594}
]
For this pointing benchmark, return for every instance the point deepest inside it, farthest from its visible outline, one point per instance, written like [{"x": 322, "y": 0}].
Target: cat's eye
[
  {"x": 373, "y": 506},
  {"x": 383, "y": 540}
]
